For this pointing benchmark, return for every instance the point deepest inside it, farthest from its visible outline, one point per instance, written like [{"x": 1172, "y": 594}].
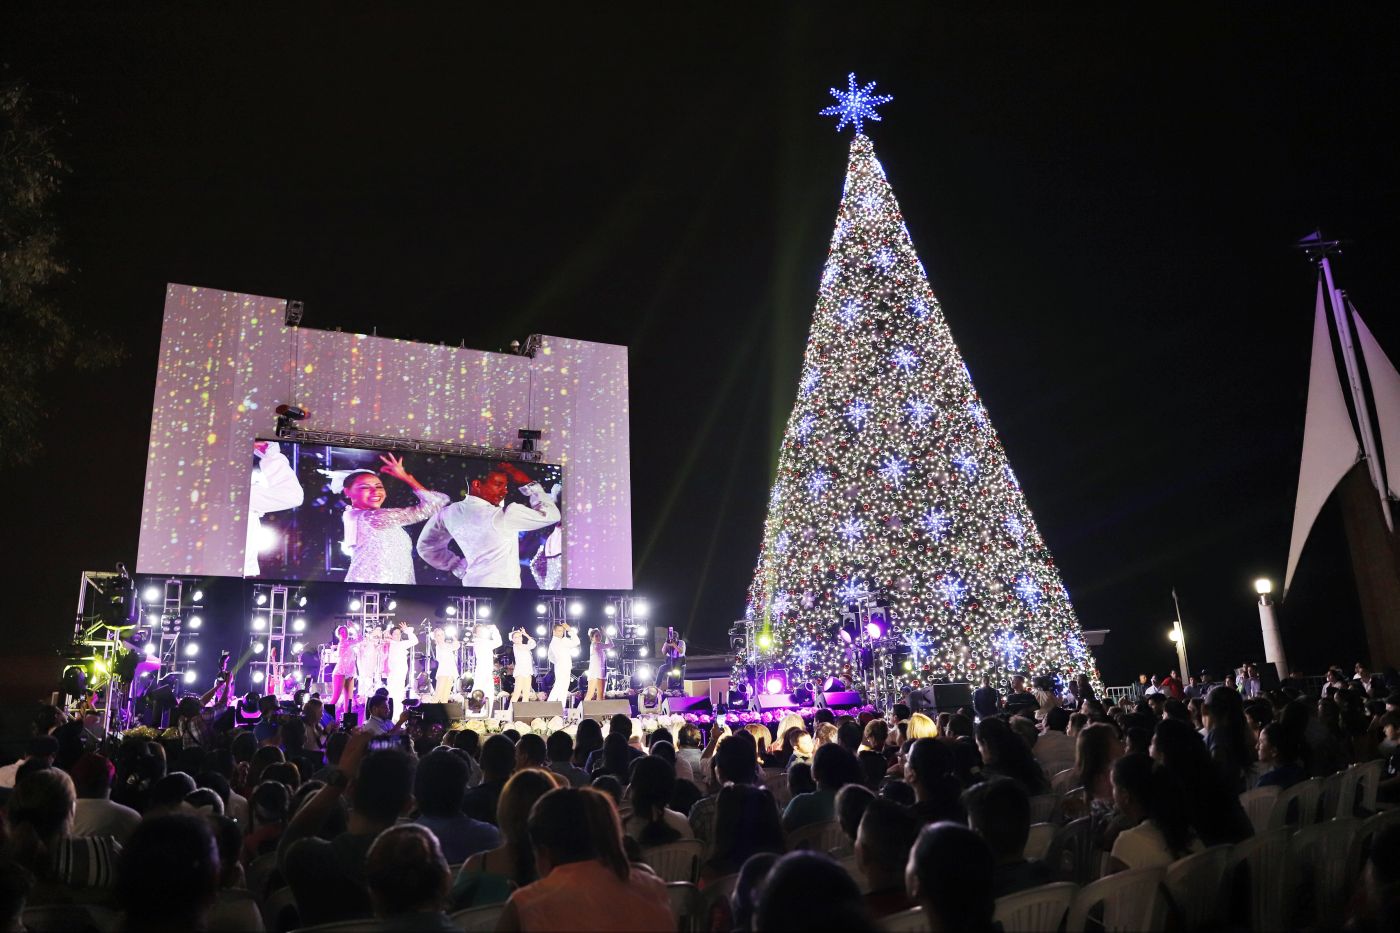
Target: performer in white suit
[
  {"x": 401, "y": 639},
  {"x": 274, "y": 487},
  {"x": 369, "y": 663},
  {"x": 485, "y": 641},
  {"x": 561, "y": 656},
  {"x": 523, "y": 646},
  {"x": 445, "y": 653}
]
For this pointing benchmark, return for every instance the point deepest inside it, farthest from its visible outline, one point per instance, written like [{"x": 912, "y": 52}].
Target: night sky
[{"x": 1105, "y": 202}]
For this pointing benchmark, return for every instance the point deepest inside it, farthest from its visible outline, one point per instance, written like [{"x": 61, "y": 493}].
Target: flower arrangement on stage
[{"x": 644, "y": 725}]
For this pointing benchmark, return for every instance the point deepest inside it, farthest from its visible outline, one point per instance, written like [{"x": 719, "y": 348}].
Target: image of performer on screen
[
  {"x": 485, "y": 530},
  {"x": 274, "y": 487},
  {"x": 674, "y": 651},
  {"x": 523, "y": 647},
  {"x": 485, "y": 640},
  {"x": 598, "y": 645},
  {"x": 380, "y": 549},
  {"x": 561, "y": 657}
]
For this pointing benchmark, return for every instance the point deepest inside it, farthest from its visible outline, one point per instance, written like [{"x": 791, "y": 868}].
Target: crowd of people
[{"x": 835, "y": 821}]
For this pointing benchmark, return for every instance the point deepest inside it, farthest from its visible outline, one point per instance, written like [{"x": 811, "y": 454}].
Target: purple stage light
[
  {"x": 774, "y": 685},
  {"x": 873, "y": 630}
]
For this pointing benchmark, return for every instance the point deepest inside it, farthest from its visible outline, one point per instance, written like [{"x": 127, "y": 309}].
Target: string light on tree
[{"x": 930, "y": 514}]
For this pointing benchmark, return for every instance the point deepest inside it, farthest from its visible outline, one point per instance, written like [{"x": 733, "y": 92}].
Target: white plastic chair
[
  {"x": 1340, "y": 793},
  {"x": 1035, "y": 909},
  {"x": 1361, "y": 840},
  {"x": 1039, "y": 839},
  {"x": 1072, "y": 855},
  {"x": 685, "y": 902},
  {"x": 1318, "y": 862},
  {"x": 1298, "y": 805},
  {"x": 1063, "y": 781},
  {"x": 906, "y": 921},
  {"x": 478, "y": 919},
  {"x": 279, "y": 911},
  {"x": 1265, "y": 858},
  {"x": 1193, "y": 883},
  {"x": 1371, "y": 774},
  {"x": 1043, "y": 808},
  {"x": 1132, "y": 903},
  {"x": 675, "y": 861},
  {"x": 820, "y": 837},
  {"x": 1259, "y": 804},
  {"x": 367, "y": 925}
]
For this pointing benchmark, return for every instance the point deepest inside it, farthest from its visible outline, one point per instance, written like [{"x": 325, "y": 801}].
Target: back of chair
[
  {"x": 1039, "y": 839},
  {"x": 259, "y": 871},
  {"x": 821, "y": 837},
  {"x": 1265, "y": 859},
  {"x": 1339, "y": 792},
  {"x": 367, "y": 925},
  {"x": 1132, "y": 903},
  {"x": 1043, "y": 808},
  {"x": 1035, "y": 909},
  {"x": 1361, "y": 841},
  {"x": 1259, "y": 804},
  {"x": 1063, "y": 781},
  {"x": 1371, "y": 774},
  {"x": 478, "y": 919},
  {"x": 906, "y": 921},
  {"x": 1298, "y": 805},
  {"x": 675, "y": 861},
  {"x": 1193, "y": 883},
  {"x": 279, "y": 911},
  {"x": 685, "y": 905},
  {"x": 1072, "y": 856},
  {"x": 1319, "y": 867}
]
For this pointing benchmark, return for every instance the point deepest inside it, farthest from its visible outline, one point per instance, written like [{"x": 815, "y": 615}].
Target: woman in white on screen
[
  {"x": 523, "y": 646},
  {"x": 561, "y": 656},
  {"x": 445, "y": 653},
  {"x": 401, "y": 639},
  {"x": 380, "y": 550},
  {"x": 485, "y": 640},
  {"x": 598, "y": 645}
]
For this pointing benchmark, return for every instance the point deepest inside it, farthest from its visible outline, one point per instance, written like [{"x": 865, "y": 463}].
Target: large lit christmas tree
[{"x": 892, "y": 482}]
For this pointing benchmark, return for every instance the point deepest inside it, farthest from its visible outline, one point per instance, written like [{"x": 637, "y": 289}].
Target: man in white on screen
[
  {"x": 274, "y": 487},
  {"x": 523, "y": 646},
  {"x": 485, "y": 640},
  {"x": 561, "y": 656},
  {"x": 487, "y": 533}
]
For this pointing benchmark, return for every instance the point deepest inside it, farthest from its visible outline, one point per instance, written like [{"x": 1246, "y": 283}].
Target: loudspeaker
[
  {"x": 767, "y": 701},
  {"x": 947, "y": 698},
  {"x": 1268, "y": 676},
  {"x": 602, "y": 709},
  {"x": 688, "y": 705},
  {"x": 841, "y": 699},
  {"x": 527, "y": 710}
]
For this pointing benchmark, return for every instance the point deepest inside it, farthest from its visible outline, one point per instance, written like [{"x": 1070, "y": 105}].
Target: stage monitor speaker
[
  {"x": 688, "y": 705},
  {"x": 1268, "y": 676},
  {"x": 767, "y": 701},
  {"x": 603, "y": 709},
  {"x": 527, "y": 710},
  {"x": 948, "y": 698},
  {"x": 440, "y": 713},
  {"x": 841, "y": 699}
]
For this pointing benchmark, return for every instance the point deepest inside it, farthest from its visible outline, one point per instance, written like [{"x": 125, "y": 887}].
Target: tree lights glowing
[{"x": 892, "y": 479}]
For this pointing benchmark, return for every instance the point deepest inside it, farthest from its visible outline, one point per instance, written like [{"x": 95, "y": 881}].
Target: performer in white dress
[
  {"x": 381, "y": 551},
  {"x": 343, "y": 677},
  {"x": 445, "y": 653},
  {"x": 274, "y": 487},
  {"x": 487, "y": 534},
  {"x": 485, "y": 641},
  {"x": 369, "y": 663},
  {"x": 598, "y": 646},
  {"x": 401, "y": 639},
  {"x": 561, "y": 656},
  {"x": 523, "y": 646}
]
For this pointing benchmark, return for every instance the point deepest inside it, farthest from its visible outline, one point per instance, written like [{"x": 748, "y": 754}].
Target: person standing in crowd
[
  {"x": 380, "y": 550},
  {"x": 522, "y": 646},
  {"x": 986, "y": 700},
  {"x": 598, "y": 645},
  {"x": 402, "y": 638},
  {"x": 1020, "y": 699},
  {"x": 486, "y": 638},
  {"x": 561, "y": 657},
  {"x": 445, "y": 654},
  {"x": 343, "y": 676},
  {"x": 485, "y": 531}
]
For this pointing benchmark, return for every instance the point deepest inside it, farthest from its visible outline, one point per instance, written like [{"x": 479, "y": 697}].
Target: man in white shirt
[
  {"x": 274, "y": 487},
  {"x": 523, "y": 647},
  {"x": 94, "y": 814},
  {"x": 562, "y": 648},
  {"x": 486, "y": 531},
  {"x": 1053, "y": 748},
  {"x": 688, "y": 755}
]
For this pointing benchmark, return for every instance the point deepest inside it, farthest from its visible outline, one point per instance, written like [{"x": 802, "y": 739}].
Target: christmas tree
[{"x": 893, "y": 485}]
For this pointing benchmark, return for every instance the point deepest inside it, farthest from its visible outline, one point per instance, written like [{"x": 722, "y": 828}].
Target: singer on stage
[{"x": 561, "y": 656}]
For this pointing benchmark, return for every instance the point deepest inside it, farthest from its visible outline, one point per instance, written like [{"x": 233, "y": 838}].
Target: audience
[
  {"x": 810, "y": 891},
  {"x": 746, "y": 824},
  {"x": 929, "y": 771},
  {"x": 651, "y": 822},
  {"x": 439, "y": 787},
  {"x": 851, "y": 802},
  {"x": 497, "y": 763},
  {"x": 408, "y": 879},
  {"x": 488, "y": 877},
  {"x": 95, "y": 813},
  {"x": 833, "y": 767},
  {"x": 560, "y": 750},
  {"x": 177, "y": 853},
  {"x": 950, "y": 874},
  {"x": 999, "y": 811},
  {"x": 40, "y": 816},
  {"x": 1152, "y": 807},
  {"x": 884, "y": 837}
]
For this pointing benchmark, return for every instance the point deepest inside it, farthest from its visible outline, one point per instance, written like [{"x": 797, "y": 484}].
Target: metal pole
[
  {"x": 1273, "y": 639},
  {"x": 1358, "y": 395}
]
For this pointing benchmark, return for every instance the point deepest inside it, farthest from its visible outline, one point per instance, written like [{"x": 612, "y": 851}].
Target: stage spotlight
[
  {"x": 260, "y": 599},
  {"x": 644, "y": 672},
  {"x": 152, "y": 594},
  {"x": 298, "y": 625},
  {"x": 640, "y": 608},
  {"x": 259, "y": 623},
  {"x": 773, "y": 686},
  {"x": 153, "y": 620},
  {"x": 802, "y": 696},
  {"x": 541, "y": 651},
  {"x": 576, "y": 609},
  {"x": 874, "y": 630},
  {"x": 257, "y": 677},
  {"x": 257, "y": 647},
  {"x": 450, "y": 631},
  {"x": 393, "y": 604},
  {"x": 541, "y": 608},
  {"x": 196, "y": 621},
  {"x": 450, "y": 611},
  {"x": 483, "y": 612},
  {"x": 908, "y": 665},
  {"x": 298, "y": 648},
  {"x": 302, "y": 602},
  {"x": 609, "y": 610},
  {"x": 150, "y": 649},
  {"x": 641, "y": 630},
  {"x": 197, "y": 595},
  {"x": 764, "y": 640},
  {"x": 355, "y": 605},
  {"x": 612, "y": 653},
  {"x": 191, "y": 650},
  {"x": 191, "y": 676},
  {"x": 540, "y": 630},
  {"x": 644, "y": 651},
  {"x": 611, "y": 630}
]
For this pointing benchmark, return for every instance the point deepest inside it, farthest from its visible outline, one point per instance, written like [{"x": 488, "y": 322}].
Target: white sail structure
[
  {"x": 1385, "y": 392},
  {"x": 1330, "y": 447}
]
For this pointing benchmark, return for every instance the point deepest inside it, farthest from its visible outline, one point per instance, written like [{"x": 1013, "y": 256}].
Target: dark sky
[{"x": 1105, "y": 204}]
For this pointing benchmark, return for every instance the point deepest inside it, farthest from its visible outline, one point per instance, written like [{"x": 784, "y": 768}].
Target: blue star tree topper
[{"x": 855, "y": 105}]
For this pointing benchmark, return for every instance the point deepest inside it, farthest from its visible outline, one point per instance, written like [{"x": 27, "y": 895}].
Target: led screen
[{"x": 400, "y": 518}]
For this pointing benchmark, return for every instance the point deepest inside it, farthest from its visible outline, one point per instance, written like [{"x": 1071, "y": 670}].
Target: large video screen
[{"x": 399, "y": 518}]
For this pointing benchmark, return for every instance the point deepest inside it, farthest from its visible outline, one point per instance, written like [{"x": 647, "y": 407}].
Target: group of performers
[{"x": 365, "y": 661}]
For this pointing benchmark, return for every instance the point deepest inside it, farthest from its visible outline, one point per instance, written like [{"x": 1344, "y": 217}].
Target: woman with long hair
[
  {"x": 616, "y": 758},
  {"x": 1212, "y": 803},
  {"x": 1096, "y": 749},
  {"x": 1228, "y": 738},
  {"x": 598, "y": 645},
  {"x": 1005, "y": 753},
  {"x": 1153, "y": 806},
  {"x": 746, "y": 823},
  {"x": 587, "y": 740},
  {"x": 652, "y": 822},
  {"x": 380, "y": 549},
  {"x": 487, "y": 877}
]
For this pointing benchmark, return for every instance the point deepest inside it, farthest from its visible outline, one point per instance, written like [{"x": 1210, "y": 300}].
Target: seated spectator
[
  {"x": 335, "y": 747},
  {"x": 1377, "y": 902},
  {"x": 901, "y": 792},
  {"x": 487, "y": 877},
  {"x": 874, "y": 766},
  {"x": 234, "y": 907},
  {"x": 205, "y": 802},
  {"x": 651, "y": 822},
  {"x": 810, "y": 891},
  {"x": 271, "y": 806},
  {"x": 263, "y": 758},
  {"x": 851, "y": 802},
  {"x": 96, "y": 814},
  {"x": 743, "y": 901},
  {"x": 530, "y": 752},
  {"x": 1054, "y": 750},
  {"x": 733, "y": 763},
  {"x": 587, "y": 740},
  {"x": 619, "y": 725},
  {"x": 803, "y": 747},
  {"x": 615, "y": 757},
  {"x": 497, "y": 763},
  {"x": 42, "y": 748},
  {"x": 294, "y": 745},
  {"x": 1096, "y": 749},
  {"x": 408, "y": 880},
  {"x": 951, "y": 874},
  {"x": 1005, "y": 754},
  {"x": 1389, "y": 788},
  {"x": 849, "y": 735},
  {"x": 168, "y": 794},
  {"x": 999, "y": 811},
  {"x": 610, "y": 785},
  {"x": 439, "y": 786},
  {"x": 1213, "y": 807},
  {"x": 877, "y": 736},
  {"x": 284, "y": 771},
  {"x": 15, "y": 884},
  {"x": 746, "y": 823},
  {"x": 689, "y": 747},
  {"x": 327, "y": 878},
  {"x": 40, "y": 840},
  {"x": 1278, "y": 758},
  {"x": 139, "y": 765},
  {"x": 833, "y": 767},
  {"x": 586, "y": 882},
  {"x": 1150, "y": 804},
  {"x": 177, "y": 851},
  {"x": 929, "y": 770},
  {"x": 884, "y": 836},
  {"x": 560, "y": 750}
]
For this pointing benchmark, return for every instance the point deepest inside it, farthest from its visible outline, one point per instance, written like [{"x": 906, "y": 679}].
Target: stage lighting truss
[
  {"x": 295, "y": 430},
  {"x": 627, "y": 619},
  {"x": 276, "y": 624}
]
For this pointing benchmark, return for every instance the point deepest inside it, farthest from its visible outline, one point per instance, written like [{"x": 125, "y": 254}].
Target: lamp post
[
  {"x": 1268, "y": 624},
  {"x": 1178, "y": 637}
]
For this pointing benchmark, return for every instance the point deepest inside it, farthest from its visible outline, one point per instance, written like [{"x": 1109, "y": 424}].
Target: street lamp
[
  {"x": 1177, "y": 636},
  {"x": 1268, "y": 625}
]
